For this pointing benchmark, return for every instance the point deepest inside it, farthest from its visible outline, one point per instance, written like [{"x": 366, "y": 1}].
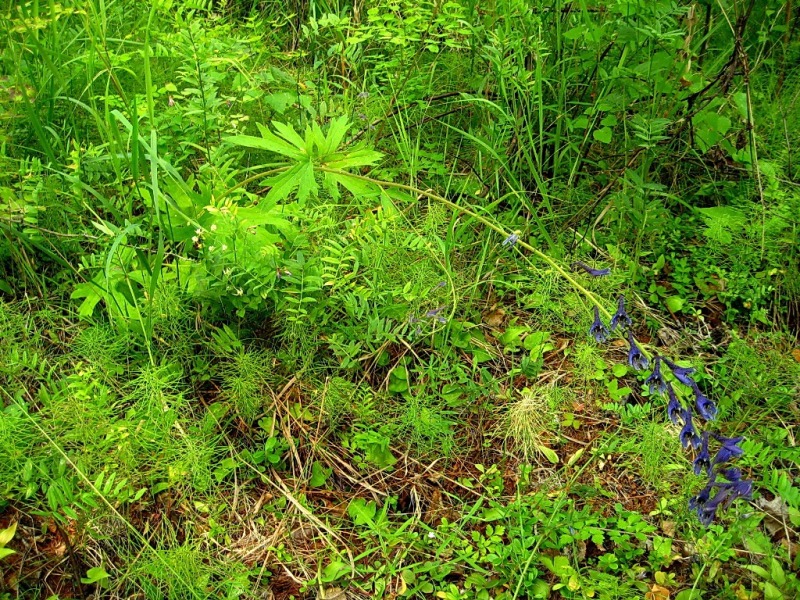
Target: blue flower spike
[
  {"x": 598, "y": 329},
  {"x": 682, "y": 374},
  {"x": 620, "y": 318},
  {"x": 655, "y": 381},
  {"x": 590, "y": 270},
  {"x": 636, "y": 357},
  {"x": 706, "y": 507},
  {"x": 724, "y": 483}
]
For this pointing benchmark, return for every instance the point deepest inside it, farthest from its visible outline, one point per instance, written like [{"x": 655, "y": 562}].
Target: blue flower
[
  {"x": 742, "y": 488},
  {"x": 511, "y": 240},
  {"x": 706, "y": 511},
  {"x": 689, "y": 435},
  {"x": 727, "y": 493},
  {"x": 598, "y": 329},
  {"x": 590, "y": 270},
  {"x": 681, "y": 373},
  {"x": 620, "y": 317},
  {"x": 702, "y": 461},
  {"x": 733, "y": 474},
  {"x": 655, "y": 381},
  {"x": 434, "y": 313},
  {"x": 674, "y": 408},
  {"x": 705, "y": 407},
  {"x": 700, "y": 500},
  {"x": 730, "y": 449},
  {"x": 636, "y": 357}
]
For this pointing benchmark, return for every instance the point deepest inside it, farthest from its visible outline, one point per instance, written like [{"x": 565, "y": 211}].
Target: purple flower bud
[
  {"x": 636, "y": 357},
  {"x": 681, "y": 373},
  {"x": 689, "y": 435},
  {"x": 705, "y": 407},
  {"x": 620, "y": 317},
  {"x": 730, "y": 449},
  {"x": 598, "y": 329},
  {"x": 702, "y": 461},
  {"x": 590, "y": 270},
  {"x": 674, "y": 408},
  {"x": 733, "y": 474},
  {"x": 655, "y": 381}
]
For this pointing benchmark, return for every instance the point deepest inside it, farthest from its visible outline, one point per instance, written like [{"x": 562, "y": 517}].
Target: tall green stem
[{"x": 485, "y": 221}]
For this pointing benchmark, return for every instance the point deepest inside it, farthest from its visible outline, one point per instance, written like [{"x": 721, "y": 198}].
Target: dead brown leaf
[
  {"x": 494, "y": 317},
  {"x": 657, "y": 592}
]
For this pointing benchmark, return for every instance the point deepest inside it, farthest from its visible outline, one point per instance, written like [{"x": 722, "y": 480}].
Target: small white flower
[
  {"x": 199, "y": 231},
  {"x": 211, "y": 248},
  {"x": 195, "y": 239},
  {"x": 224, "y": 247},
  {"x": 431, "y": 535},
  {"x": 213, "y": 227}
]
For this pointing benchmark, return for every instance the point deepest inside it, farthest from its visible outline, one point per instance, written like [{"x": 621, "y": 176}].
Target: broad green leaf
[
  {"x": 674, "y": 303},
  {"x": 777, "y": 573},
  {"x": 771, "y": 592},
  {"x": 549, "y": 453},
  {"x": 279, "y": 101},
  {"x": 255, "y": 216},
  {"x": 330, "y": 183},
  {"x": 602, "y": 135},
  {"x": 575, "y": 33},
  {"x": 710, "y": 129},
  {"x": 334, "y": 571},
  {"x": 361, "y": 511},
  {"x": 6, "y": 552},
  {"x": 95, "y": 575},
  {"x": 6, "y": 535},
  {"x": 319, "y": 474},
  {"x": 89, "y": 292}
]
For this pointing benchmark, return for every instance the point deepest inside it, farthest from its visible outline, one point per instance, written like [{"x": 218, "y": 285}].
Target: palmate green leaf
[
  {"x": 356, "y": 158},
  {"x": 336, "y": 132},
  {"x": 358, "y": 187},
  {"x": 285, "y": 183},
  {"x": 332, "y": 185},
  {"x": 307, "y": 184},
  {"x": 268, "y": 141},
  {"x": 288, "y": 133},
  {"x": 256, "y": 216}
]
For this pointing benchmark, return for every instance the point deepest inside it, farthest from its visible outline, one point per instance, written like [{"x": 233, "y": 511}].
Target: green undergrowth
[{"x": 288, "y": 306}]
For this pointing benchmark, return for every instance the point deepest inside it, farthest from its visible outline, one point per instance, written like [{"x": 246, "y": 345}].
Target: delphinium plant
[{"x": 724, "y": 482}]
